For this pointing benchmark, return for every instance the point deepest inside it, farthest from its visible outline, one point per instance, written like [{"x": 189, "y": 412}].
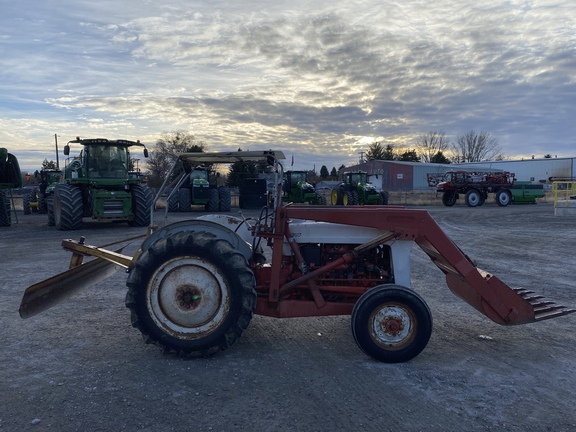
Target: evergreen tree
[
  {"x": 388, "y": 153},
  {"x": 439, "y": 158},
  {"x": 409, "y": 156}
]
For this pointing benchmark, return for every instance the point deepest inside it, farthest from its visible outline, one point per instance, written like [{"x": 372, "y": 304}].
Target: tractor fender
[{"x": 197, "y": 225}]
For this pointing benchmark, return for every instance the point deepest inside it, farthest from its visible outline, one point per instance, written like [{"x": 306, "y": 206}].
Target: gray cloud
[{"x": 314, "y": 77}]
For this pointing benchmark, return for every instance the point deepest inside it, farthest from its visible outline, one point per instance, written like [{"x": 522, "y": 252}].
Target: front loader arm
[{"x": 483, "y": 291}]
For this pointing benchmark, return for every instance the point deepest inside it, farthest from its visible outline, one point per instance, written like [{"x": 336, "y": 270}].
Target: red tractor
[{"x": 194, "y": 285}]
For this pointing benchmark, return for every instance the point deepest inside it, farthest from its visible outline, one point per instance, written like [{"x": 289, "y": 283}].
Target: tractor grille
[{"x": 113, "y": 207}]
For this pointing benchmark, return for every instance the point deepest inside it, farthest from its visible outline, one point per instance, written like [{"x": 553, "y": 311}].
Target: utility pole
[
  {"x": 56, "y": 142},
  {"x": 361, "y": 156}
]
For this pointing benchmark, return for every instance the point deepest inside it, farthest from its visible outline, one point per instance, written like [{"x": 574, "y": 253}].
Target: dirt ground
[{"x": 81, "y": 366}]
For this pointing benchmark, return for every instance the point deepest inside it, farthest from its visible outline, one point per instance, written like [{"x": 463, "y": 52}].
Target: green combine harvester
[{"x": 101, "y": 183}]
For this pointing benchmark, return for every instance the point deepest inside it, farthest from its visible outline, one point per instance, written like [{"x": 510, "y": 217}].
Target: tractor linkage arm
[{"x": 482, "y": 290}]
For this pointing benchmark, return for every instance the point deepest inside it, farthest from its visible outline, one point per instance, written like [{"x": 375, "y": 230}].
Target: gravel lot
[{"x": 81, "y": 366}]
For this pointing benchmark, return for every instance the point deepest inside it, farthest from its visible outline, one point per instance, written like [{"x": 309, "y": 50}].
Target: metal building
[{"x": 537, "y": 171}]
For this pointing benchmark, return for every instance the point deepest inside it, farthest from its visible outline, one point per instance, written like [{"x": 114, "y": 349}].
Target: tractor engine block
[{"x": 371, "y": 268}]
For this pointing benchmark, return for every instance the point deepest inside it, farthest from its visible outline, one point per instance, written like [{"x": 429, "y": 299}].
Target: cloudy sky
[{"x": 317, "y": 79}]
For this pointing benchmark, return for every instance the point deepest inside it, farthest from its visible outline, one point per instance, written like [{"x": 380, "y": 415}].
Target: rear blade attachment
[{"x": 50, "y": 292}]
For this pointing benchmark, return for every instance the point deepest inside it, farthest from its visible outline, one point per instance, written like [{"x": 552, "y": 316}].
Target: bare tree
[
  {"x": 431, "y": 144},
  {"x": 476, "y": 147},
  {"x": 167, "y": 147}
]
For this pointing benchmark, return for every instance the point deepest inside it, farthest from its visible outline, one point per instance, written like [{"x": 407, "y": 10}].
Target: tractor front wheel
[
  {"x": 191, "y": 293},
  {"x": 172, "y": 198},
  {"x": 225, "y": 199},
  {"x": 503, "y": 198},
  {"x": 68, "y": 207},
  {"x": 141, "y": 202},
  {"x": 340, "y": 196},
  {"x": 26, "y": 199},
  {"x": 50, "y": 210},
  {"x": 353, "y": 199},
  {"x": 391, "y": 323},
  {"x": 473, "y": 198},
  {"x": 449, "y": 198},
  {"x": 383, "y": 198},
  {"x": 334, "y": 197},
  {"x": 184, "y": 200},
  {"x": 213, "y": 203}
]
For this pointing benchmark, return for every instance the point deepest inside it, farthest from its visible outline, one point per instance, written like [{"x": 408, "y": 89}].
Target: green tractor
[
  {"x": 355, "y": 189},
  {"x": 100, "y": 183},
  {"x": 296, "y": 189},
  {"x": 196, "y": 188},
  {"x": 10, "y": 178},
  {"x": 37, "y": 201}
]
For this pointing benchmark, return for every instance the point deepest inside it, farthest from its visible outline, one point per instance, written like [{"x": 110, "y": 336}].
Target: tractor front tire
[
  {"x": 225, "y": 199},
  {"x": 474, "y": 198},
  {"x": 41, "y": 203},
  {"x": 335, "y": 197},
  {"x": 26, "y": 198},
  {"x": 172, "y": 200},
  {"x": 184, "y": 200},
  {"x": 383, "y": 198},
  {"x": 354, "y": 197},
  {"x": 191, "y": 293},
  {"x": 141, "y": 202},
  {"x": 68, "y": 207},
  {"x": 449, "y": 198},
  {"x": 50, "y": 210},
  {"x": 503, "y": 198},
  {"x": 213, "y": 203},
  {"x": 391, "y": 323}
]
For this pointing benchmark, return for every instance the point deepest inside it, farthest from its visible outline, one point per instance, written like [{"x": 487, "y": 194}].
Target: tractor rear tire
[
  {"x": 473, "y": 198},
  {"x": 355, "y": 199},
  {"x": 391, "y": 323},
  {"x": 334, "y": 197},
  {"x": 503, "y": 198},
  {"x": 68, "y": 207},
  {"x": 141, "y": 202},
  {"x": 184, "y": 200},
  {"x": 348, "y": 198},
  {"x": 383, "y": 199},
  {"x": 449, "y": 198},
  {"x": 225, "y": 199},
  {"x": 191, "y": 293}
]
